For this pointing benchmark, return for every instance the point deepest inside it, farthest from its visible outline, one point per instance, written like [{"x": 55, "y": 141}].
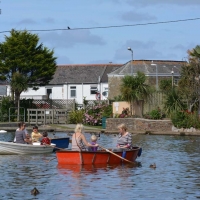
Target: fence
[
  {"x": 156, "y": 100},
  {"x": 47, "y": 116},
  {"x": 54, "y": 104}
]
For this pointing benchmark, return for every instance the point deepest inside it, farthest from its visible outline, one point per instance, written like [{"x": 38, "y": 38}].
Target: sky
[{"x": 102, "y": 30}]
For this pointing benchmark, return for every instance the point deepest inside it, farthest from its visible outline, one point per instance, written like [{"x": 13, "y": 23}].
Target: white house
[{"x": 76, "y": 82}]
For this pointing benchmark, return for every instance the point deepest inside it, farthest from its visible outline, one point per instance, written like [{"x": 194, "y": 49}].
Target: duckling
[
  {"x": 34, "y": 191},
  {"x": 99, "y": 135},
  {"x": 153, "y": 166}
]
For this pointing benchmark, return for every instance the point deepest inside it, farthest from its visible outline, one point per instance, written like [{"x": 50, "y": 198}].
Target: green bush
[
  {"x": 155, "y": 114},
  {"x": 4, "y": 110},
  {"x": 107, "y": 112},
  {"x": 185, "y": 119},
  {"x": 76, "y": 116}
]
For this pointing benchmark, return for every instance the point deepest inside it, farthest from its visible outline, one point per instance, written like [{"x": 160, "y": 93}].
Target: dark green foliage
[
  {"x": 155, "y": 114},
  {"x": 134, "y": 88},
  {"x": 4, "y": 109},
  {"x": 173, "y": 103},
  {"x": 185, "y": 119},
  {"x": 21, "y": 53},
  {"x": 165, "y": 85}
]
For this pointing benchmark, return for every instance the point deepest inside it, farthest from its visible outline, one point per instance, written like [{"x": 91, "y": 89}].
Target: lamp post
[
  {"x": 129, "y": 48},
  {"x": 172, "y": 72},
  {"x": 156, "y": 74}
]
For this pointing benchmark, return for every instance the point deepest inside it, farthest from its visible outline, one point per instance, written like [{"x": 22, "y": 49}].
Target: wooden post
[{"x": 36, "y": 117}]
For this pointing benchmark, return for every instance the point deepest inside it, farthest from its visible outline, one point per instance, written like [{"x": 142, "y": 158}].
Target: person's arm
[
  {"x": 87, "y": 143},
  {"x": 24, "y": 136},
  {"x": 25, "y": 131},
  {"x": 129, "y": 141}
]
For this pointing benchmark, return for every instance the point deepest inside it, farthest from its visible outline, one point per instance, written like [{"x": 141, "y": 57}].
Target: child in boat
[
  {"x": 45, "y": 139},
  {"x": 79, "y": 142},
  {"x": 35, "y": 134},
  {"x": 93, "y": 142}
]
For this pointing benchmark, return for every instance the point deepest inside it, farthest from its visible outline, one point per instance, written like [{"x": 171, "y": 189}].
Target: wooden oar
[{"x": 117, "y": 155}]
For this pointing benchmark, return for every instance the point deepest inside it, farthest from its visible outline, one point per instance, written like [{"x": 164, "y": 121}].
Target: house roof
[
  {"x": 85, "y": 73},
  {"x": 164, "y": 68}
]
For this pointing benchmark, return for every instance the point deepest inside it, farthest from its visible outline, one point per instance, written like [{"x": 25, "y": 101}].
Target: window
[
  {"x": 93, "y": 89},
  {"x": 72, "y": 91}
]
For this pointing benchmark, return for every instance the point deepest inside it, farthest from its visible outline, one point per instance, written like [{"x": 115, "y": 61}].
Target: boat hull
[
  {"x": 68, "y": 157},
  {"x": 10, "y": 148},
  {"x": 61, "y": 142}
]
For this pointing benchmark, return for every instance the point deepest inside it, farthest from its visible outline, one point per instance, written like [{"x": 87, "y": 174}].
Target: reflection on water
[{"x": 176, "y": 176}]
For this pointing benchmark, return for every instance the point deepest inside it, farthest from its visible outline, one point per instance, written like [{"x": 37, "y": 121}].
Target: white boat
[
  {"x": 8, "y": 148},
  {"x": 3, "y": 131}
]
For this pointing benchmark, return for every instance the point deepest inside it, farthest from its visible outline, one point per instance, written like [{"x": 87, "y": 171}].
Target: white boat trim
[
  {"x": 9, "y": 148},
  {"x": 3, "y": 131}
]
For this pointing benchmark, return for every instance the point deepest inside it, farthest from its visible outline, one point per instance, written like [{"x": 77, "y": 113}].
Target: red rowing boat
[{"x": 68, "y": 157}]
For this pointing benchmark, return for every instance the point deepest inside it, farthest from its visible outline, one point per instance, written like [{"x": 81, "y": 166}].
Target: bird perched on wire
[
  {"x": 35, "y": 191},
  {"x": 68, "y": 27}
]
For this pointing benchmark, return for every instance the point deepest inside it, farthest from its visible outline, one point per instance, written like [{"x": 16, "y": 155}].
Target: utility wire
[{"x": 103, "y": 27}]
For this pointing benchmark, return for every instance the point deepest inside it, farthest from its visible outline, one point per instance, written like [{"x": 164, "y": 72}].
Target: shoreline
[{"x": 70, "y": 128}]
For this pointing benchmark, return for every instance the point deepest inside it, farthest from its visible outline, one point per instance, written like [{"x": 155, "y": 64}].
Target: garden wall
[{"x": 138, "y": 124}]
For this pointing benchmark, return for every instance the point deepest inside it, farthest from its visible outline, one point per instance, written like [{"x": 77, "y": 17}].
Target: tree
[
  {"x": 173, "y": 103},
  {"x": 21, "y": 55},
  {"x": 189, "y": 84},
  {"x": 134, "y": 89}
]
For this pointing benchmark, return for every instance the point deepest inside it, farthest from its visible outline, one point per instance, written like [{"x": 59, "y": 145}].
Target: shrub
[
  {"x": 94, "y": 115},
  {"x": 185, "y": 119},
  {"x": 76, "y": 116},
  {"x": 155, "y": 114}
]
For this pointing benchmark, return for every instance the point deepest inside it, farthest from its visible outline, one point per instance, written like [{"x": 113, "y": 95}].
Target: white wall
[
  {"x": 63, "y": 92},
  {"x": 35, "y": 94}
]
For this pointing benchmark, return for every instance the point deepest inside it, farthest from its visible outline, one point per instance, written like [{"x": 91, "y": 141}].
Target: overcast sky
[{"x": 83, "y": 44}]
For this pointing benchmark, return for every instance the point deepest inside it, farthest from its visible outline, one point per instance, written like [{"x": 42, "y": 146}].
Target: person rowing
[{"x": 124, "y": 140}]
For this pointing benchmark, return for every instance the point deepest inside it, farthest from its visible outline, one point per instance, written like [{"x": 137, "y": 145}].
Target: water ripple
[{"x": 175, "y": 177}]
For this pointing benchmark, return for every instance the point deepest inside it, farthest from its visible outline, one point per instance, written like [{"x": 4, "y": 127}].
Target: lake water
[{"x": 177, "y": 175}]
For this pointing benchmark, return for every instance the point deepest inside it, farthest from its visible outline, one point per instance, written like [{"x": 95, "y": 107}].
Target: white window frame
[
  {"x": 93, "y": 89},
  {"x": 73, "y": 89}
]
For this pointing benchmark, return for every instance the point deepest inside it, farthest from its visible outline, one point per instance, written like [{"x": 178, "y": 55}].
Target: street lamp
[
  {"x": 172, "y": 72},
  {"x": 156, "y": 74},
  {"x": 129, "y": 48}
]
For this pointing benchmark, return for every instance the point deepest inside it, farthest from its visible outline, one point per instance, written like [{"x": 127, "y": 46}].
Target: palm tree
[
  {"x": 173, "y": 103},
  {"x": 134, "y": 89}
]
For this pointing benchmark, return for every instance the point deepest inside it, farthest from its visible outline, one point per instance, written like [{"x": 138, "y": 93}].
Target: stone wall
[{"x": 138, "y": 124}]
